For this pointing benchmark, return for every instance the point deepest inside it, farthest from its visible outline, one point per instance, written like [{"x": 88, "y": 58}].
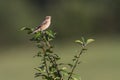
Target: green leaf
[
  {"x": 25, "y": 28},
  {"x": 78, "y": 41},
  {"x": 71, "y": 65},
  {"x": 90, "y": 41},
  {"x": 75, "y": 78},
  {"x": 64, "y": 72},
  {"x": 37, "y": 35},
  {"x": 74, "y": 59},
  {"x": 76, "y": 56},
  {"x": 79, "y": 62},
  {"x": 49, "y": 51},
  {"x": 50, "y": 33},
  {"x": 30, "y": 30},
  {"x": 37, "y": 74},
  {"x": 40, "y": 46},
  {"x": 42, "y": 67},
  {"x": 37, "y": 69},
  {"x": 39, "y": 54},
  {"x": 64, "y": 68},
  {"x": 52, "y": 69},
  {"x": 83, "y": 40}
]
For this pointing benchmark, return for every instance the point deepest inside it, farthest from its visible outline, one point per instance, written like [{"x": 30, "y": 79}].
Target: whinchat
[{"x": 45, "y": 24}]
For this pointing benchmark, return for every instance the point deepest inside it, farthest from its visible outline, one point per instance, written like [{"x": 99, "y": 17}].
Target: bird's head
[{"x": 48, "y": 17}]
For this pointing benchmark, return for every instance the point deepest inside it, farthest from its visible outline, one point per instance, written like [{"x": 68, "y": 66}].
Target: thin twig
[
  {"x": 54, "y": 62},
  {"x": 45, "y": 62},
  {"x": 71, "y": 73}
]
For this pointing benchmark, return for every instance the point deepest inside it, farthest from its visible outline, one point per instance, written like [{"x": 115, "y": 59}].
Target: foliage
[{"x": 50, "y": 68}]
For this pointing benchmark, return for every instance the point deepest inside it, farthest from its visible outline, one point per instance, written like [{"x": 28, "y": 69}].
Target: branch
[{"x": 71, "y": 73}]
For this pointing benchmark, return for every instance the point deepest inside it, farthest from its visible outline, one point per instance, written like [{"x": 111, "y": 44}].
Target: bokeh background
[{"x": 71, "y": 19}]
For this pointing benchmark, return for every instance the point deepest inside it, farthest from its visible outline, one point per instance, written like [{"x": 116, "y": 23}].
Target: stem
[
  {"x": 53, "y": 61},
  {"x": 71, "y": 73},
  {"x": 58, "y": 70},
  {"x": 45, "y": 62}
]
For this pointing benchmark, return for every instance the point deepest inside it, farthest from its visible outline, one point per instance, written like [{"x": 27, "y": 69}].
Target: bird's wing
[{"x": 44, "y": 22}]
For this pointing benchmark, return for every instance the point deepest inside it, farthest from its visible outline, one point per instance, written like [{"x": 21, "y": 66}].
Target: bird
[{"x": 44, "y": 25}]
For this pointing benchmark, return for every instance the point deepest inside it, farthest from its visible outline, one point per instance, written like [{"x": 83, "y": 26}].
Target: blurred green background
[{"x": 71, "y": 19}]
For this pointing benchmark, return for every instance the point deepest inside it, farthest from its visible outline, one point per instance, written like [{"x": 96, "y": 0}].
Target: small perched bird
[{"x": 45, "y": 24}]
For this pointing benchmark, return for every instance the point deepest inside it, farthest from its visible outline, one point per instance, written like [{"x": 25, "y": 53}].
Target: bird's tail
[{"x": 36, "y": 30}]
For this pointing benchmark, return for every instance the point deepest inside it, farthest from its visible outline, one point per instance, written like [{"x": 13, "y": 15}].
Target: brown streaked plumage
[{"x": 45, "y": 24}]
